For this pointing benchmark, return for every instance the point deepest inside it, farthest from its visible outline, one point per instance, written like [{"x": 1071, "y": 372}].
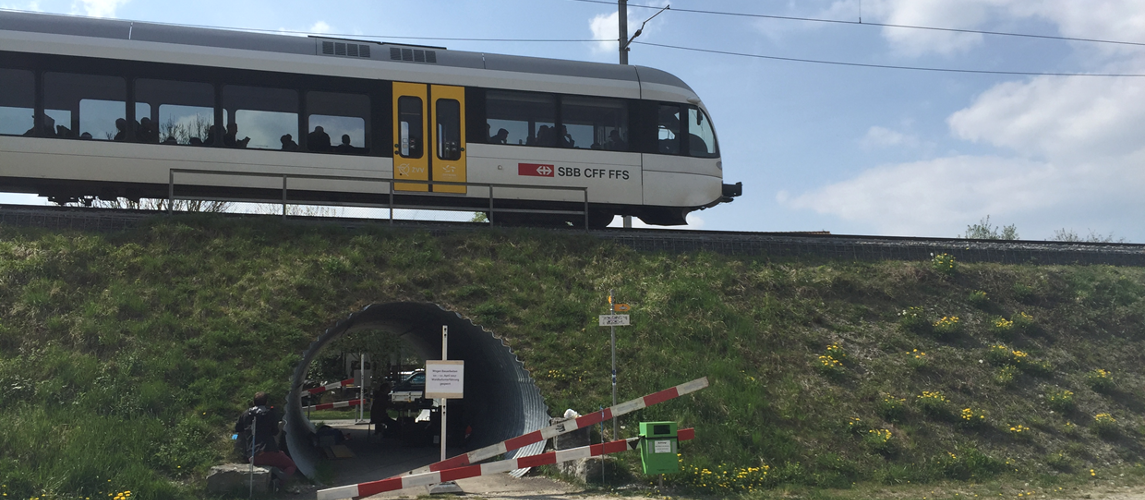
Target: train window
[
  {"x": 448, "y": 129},
  {"x": 701, "y": 136},
  {"x": 668, "y": 134},
  {"x": 85, "y": 106},
  {"x": 343, "y": 117},
  {"x": 172, "y": 112},
  {"x": 259, "y": 117},
  {"x": 595, "y": 123},
  {"x": 17, "y": 102},
  {"x": 528, "y": 118},
  {"x": 412, "y": 129}
]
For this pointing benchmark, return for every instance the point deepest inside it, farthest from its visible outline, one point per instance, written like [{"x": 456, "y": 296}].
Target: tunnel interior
[{"x": 501, "y": 400}]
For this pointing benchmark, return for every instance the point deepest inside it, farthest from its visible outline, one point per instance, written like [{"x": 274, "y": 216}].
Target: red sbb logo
[{"x": 536, "y": 169}]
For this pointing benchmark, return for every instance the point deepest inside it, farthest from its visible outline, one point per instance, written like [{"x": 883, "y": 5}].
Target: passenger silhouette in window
[
  {"x": 502, "y": 137},
  {"x": 318, "y": 140},
  {"x": 345, "y": 147},
  {"x": 121, "y": 127},
  {"x": 231, "y": 139},
  {"x": 615, "y": 143},
  {"x": 288, "y": 143},
  {"x": 566, "y": 138}
]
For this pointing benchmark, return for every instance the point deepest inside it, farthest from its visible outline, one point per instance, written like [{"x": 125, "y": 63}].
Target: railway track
[{"x": 759, "y": 244}]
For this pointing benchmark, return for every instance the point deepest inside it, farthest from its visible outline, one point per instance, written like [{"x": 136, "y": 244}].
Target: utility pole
[
  {"x": 624, "y": 43},
  {"x": 624, "y": 60}
]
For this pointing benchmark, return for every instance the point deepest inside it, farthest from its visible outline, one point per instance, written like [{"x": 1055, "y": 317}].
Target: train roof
[{"x": 316, "y": 45}]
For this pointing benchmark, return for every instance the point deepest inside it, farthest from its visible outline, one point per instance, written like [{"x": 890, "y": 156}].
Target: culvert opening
[{"x": 501, "y": 400}]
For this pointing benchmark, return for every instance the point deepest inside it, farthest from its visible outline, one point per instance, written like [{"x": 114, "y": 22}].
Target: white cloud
[
  {"x": 33, "y": 6},
  {"x": 607, "y": 26},
  {"x": 1077, "y": 151},
  {"x": 1058, "y": 117},
  {"x": 1108, "y": 19},
  {"x": 882, "y": 137},
  {"x": 604, "y": 27},
  {"x": 97, "y": 8},
  {"x": 321, "y": 27}
]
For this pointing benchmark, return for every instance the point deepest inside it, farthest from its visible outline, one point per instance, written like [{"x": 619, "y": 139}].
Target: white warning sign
[{"x": 444, "y": 379}]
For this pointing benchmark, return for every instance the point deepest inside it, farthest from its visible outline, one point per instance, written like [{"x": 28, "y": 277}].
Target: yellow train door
[
  {"x": 433, "y": 116},
  {"x": 410, "y": 131},
  {"x": 448, "y": 137}
]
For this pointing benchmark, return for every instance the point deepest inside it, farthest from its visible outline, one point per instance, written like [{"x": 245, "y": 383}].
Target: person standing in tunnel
[{"x": 379, "y": 411}]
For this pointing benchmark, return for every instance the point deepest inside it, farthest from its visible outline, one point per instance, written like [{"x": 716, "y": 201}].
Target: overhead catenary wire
[
  {"x": 696, "y": 49},
  {"x": 890, "y": 66},
  {"x": 877, "y": 25}
]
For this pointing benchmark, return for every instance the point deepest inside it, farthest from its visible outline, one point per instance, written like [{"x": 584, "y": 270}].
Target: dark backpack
[{"x": 259, "y": 431}]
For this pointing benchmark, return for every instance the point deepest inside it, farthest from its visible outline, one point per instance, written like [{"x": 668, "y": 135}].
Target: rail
[{"x": 391, "y": 205}]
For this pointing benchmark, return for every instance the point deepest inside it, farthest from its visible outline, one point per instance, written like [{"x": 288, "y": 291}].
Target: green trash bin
[{"x": 658, "y": 442}]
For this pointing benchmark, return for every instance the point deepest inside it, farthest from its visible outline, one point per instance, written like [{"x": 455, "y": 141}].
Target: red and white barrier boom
[
  {"x": 331, "y": 386},
  {"x": 564, "y": 427},
  {"x": 396, "y": 483},
  {"x": 328, "y": 406}
]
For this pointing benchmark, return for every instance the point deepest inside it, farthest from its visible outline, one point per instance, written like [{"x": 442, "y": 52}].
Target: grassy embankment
[{"x": 125, "y": 357}]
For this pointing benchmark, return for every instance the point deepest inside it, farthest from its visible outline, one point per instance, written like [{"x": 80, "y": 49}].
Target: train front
[{"x": 685, "y": 173}]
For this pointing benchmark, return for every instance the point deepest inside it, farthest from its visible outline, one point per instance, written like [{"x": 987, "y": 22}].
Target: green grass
[{"x": 126, "y": 356}]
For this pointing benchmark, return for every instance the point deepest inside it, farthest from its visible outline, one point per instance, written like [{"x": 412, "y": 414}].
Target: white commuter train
[{"x": 110, "y": 108}]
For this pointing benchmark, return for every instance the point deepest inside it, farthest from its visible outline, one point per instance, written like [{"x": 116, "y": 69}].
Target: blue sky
[{"x": 851, "y": 150}]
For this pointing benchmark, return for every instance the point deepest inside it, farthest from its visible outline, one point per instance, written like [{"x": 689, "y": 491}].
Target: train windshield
[{"x": 702, "y": 137}]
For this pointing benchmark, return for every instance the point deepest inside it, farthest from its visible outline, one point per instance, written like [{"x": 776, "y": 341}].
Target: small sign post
[
  {"x": 613, "y": 321},
  {"x": 444, "y": 380}
]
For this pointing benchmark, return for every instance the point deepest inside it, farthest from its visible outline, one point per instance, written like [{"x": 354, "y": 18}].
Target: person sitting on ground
[
  {"x": 379, "y": 416},
  {"x": 259, "y": 425}
]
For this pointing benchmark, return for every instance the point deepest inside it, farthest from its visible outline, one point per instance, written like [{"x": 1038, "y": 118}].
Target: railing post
[
  {"x": 171, "y": 191},
  {"x": 490, "y": 217},
  {"x": 284, "y": 197},
  {"x": 391, "y": 184},
  {"x": 586, "y": 228}
]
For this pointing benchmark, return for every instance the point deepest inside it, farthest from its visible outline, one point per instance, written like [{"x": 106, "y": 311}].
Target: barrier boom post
[
  {"x": 359, "y": 490},
  {"x": 563, "y": 427}
]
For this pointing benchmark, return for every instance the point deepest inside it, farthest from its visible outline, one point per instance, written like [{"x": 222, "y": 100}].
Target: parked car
[{"x": 410, "y": 392}]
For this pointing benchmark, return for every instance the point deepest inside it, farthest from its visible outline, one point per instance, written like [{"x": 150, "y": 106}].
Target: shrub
[
  {"x": 837, "y": 352},
  {"x": 1061, "y": 462},
  {"x": 1061, "y": 400},
  {"x": 999, "y": 354},
  {"x": 1023, "y": 322},
  {"x": 967, "y": 463},
  {"x": 913, "y": 319},
  {"x": 970, "y": 418},
  {"x": 947, "y": 326},
  {"x": 978, "y": 298},
  {"x": 1070, "y": 429},
  {"x": 830, "y": 366},
  {"x": 1105, "y": 425},
  {"x": 892, "y": 409},
  {"x": 916, "y": 359},
  {"x": 724, "y": 479},
  {"x": 934, "y": 404},
  {"x": 1100, "y": 380},
  {"x": 1005, "y": 375},
  {"x": 1037, "y": 367},
  {"x": 944, "y": 265},
  {"x": 1002, "y": 327},
  {"x": 880, "y": 441},
  {"x": 1020, "y": 432}
]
